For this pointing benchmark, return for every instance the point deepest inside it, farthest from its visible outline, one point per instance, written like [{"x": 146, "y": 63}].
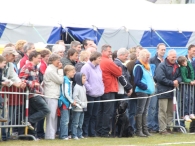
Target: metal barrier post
[
  {"x": 26, "y": 113},
  {"x": 174, "y": 107},
  {"x": 26, "y": 118},
  {"x": 176, "y": 114}
]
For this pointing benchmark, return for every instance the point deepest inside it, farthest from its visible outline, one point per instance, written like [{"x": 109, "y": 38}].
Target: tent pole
[{"x": 160, "y": 37}]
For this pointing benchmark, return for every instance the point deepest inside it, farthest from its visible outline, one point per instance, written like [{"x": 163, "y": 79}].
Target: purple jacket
[{"x": 94, "y": 82}]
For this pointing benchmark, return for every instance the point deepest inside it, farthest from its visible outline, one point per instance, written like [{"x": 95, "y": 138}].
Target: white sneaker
[
  {"x": 192, "y": 116},
  {"x": 187, "y": 118},
  {"x": 66, "y": 138},
  {"x": 76, "y": 138},
  {"x": 82, "y": 137},
  {"x": 69, "y": 136},
  {"x": 37, "y": 139}
]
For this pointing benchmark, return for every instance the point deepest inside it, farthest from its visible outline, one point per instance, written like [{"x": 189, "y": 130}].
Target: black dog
[{"x": 122, "y": 121}]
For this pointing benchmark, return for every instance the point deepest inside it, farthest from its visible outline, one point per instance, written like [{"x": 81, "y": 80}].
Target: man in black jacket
[
  {"x": 123, "y": 81},
  {"x": 125, "y": 88},
  {"x": 153, "y": 107}
]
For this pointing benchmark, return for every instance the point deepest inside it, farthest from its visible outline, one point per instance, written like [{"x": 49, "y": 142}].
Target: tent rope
[
  {"x": 15, "y": 27},
  {"x": 39, "y": 34},
  {"x": 113, "y": 34},
  {"x": 133, "y": 38}
]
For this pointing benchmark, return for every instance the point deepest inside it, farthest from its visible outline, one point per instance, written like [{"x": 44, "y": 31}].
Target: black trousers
[{"x": 105, "y": 114}]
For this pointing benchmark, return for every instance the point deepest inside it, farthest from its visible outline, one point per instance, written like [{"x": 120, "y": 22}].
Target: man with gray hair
[
  {"x": 9, "y": 74},
  {"x": 123, "y": 81},
  {"x": 168, "y": 77},
  {"x": 28, "y": 47},
  {"x": 58, "y": 49},
  {"x": 125, "y": 88},
  {"x": 76, "y": 45},
  {"x": 11, "y": 77}
]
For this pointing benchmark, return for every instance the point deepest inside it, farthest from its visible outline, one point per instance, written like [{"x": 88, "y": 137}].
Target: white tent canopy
[{"x": 133, "y": 14}]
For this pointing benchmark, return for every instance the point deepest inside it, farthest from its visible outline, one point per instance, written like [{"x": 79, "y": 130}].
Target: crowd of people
[{"x": 61, "y": 83}]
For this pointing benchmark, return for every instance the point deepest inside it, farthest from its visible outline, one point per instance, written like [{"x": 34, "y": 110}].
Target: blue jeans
[
  {"x": 38, "y": 109},
  {"x": 64, "y": 123},
  {"x": 153, "y": 114},
  {"x": 58, "y": 126},
  {"x": 90, "y": 116},
  {"x": 77, "y": 123},
  {"x": 105, "y": 114},
  {"x": 142, "y": 104},
  {"x": 132, "y": 112}
]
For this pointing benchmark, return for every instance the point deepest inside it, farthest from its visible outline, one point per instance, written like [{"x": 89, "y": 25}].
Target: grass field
[{"x": 154, "y": 140}]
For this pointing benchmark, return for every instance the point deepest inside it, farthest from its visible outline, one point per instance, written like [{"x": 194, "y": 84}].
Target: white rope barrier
[
  {"x": 130, "y": 98},
  {"x": 94, "y": 97}
]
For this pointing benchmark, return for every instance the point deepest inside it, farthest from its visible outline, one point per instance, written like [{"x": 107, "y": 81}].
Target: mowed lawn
[{"x": 156, "y": 139}]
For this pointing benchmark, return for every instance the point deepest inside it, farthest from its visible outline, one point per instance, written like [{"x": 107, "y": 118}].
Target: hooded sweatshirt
[{"x": 79, "y": 93}]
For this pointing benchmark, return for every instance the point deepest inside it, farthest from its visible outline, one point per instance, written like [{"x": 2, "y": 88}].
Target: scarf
[
  {"x": 175, "y": 66},
  {"x": 146, "y": 65}
]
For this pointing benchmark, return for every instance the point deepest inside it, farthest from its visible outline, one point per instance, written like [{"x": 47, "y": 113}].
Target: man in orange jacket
[{"x": 110, "y": 73}]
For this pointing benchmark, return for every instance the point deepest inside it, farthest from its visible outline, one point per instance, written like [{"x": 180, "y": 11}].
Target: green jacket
[{"x": 187, "y": 73}]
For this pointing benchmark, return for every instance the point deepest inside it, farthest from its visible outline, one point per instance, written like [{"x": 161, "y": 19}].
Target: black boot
[
  {"x": 145, "y": 126},
  {"x": 139, "y": 126}
]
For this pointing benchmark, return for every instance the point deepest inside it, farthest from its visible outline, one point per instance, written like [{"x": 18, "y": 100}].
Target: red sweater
[{"x": 110, "y": 73}]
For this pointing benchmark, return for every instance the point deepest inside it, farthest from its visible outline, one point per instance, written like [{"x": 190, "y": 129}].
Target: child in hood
[{"x": 79, "y": 95}]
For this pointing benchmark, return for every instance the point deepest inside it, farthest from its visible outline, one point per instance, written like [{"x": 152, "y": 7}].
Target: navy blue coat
[{"x": 165, "y": 77}]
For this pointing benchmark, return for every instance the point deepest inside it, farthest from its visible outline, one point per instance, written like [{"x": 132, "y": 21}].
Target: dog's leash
[{"x": 118, "y": 115}]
